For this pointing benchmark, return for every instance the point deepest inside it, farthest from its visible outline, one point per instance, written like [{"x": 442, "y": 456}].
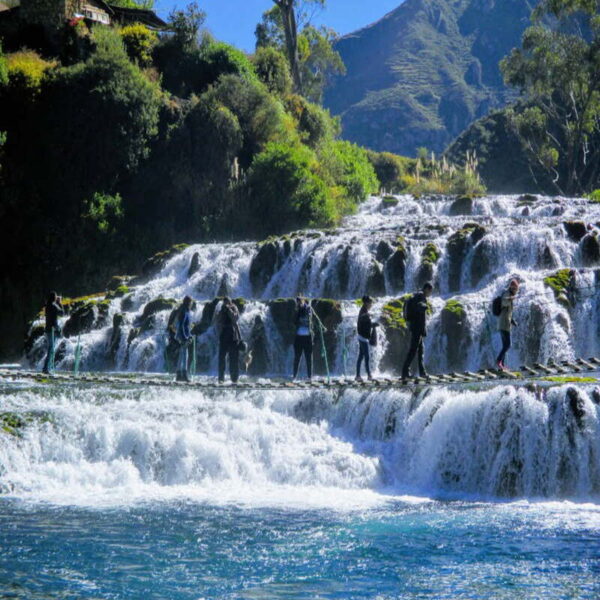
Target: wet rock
[
  {"x": 526, "y": 212},
  {"x": 397, "y": 335},
  {"x": 283, "y": 313},
  {"x": 257, "y": 348},
  {"x": 463, "y": 205},
  {"x": 384, "y": 251},
  {"x": 561, "y": 284},
  {"x": 264, "y": 265},
  {"x": 119, "y": 292},
  {"x": 547, "y": 260},
  {"x": 330, "y": 314},
  {"x": 575, "y": 230},
  {"x": 154, "y": 264},
  {"x": 533, "y": 332},
  {"x": 157, "y": 305},
  {"x": 527, "y": 199},
  {"x": 457, "y": 331},
  {"x": 127, "y": 303},
  {"x": 34, "y": 334},
  {"x": 375, "y": 281},
  {"x": 395, "y": 267},
  {"x": 459, "y": 245},
  {"x": 559, "y": 210},
  {"x": 563, "y": 321},
  {"x": 481, "y": 263},
  {"x": 194, "y": 265},
  {"x": 304, "y": 279},
  {"x": 389, "y": 202},
  {"x": 590, "y": 249},
  {"x": 224, "y": 287},
  {"x": 577, "y": 406},
  {"x": 115, "y": 339},
  {"x": 81, "y": 320},
  {"x": 337, "y": 284}
]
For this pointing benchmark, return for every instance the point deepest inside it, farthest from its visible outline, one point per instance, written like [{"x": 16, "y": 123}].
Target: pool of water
[{"x": 394, "y": 548}]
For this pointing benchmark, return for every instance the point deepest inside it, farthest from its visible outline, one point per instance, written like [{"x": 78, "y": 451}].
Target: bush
[
  {"x": 139, "y": 42},
  {"x": 26, "y": 70},
  {"x": 285, "y": 191},
  {"x": 3, "y": 68},
  {"x": 273, "y": 70},
  {"x": 349, "y": 167},
  {"x": 595, "y": 196},
  {"x": 390, "y": 168}
]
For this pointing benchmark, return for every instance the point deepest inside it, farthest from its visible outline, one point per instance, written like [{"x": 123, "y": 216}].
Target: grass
[
  {"x": 559, "y": 283},
  {"x": 569, "y": 379}
]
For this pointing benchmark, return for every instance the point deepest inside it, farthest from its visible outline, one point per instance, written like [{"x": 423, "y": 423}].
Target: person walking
[
  {"x": 506, "y": 321},
  {"x": 52, "y": 310},
  {"x": 415, "y": 313},
  {"x": 229, "y": 340},
  {"x": 365, "y": 329},
  {"x": 303, "y": 342},
  {"x": 183, "y": 337}
]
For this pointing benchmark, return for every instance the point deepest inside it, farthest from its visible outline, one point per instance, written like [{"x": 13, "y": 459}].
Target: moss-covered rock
[
  {"x": 330, "y": 314},
  {"x": 119, "y": 292},
  {"x": 118, "y": 281},
  {"x": 527, "y": 199},
  {"x": 257, "y": 349},
  {"x": 337, "y": 284},
  {"x": 463, "y": 205},
  {"x": 575, "y": 230},
  {"x": 590, "y": 249},
  {"x": 481, "y": 265},
  {"x": 384, "y": 251},
  {"x": 194, "y": 264},
  {"x": 389, "y": 201},
  {"x": 533, "y": 332},
  {"x": 397, "y": 335},
  {"x": 455, "y": 327},
  {"x": 115, "y": 339},
  {"x": 154, "y": 264},
  {"x": 157, "y": 305},
  {"x": 127, "y": 303},
  {"x": 429, "y": 258},
  {"x": 81, "y": 320},
  {"x": 12, "y": 423},
  {"x": 458, "y": 246},
  {"x": 560, "y": 283}
]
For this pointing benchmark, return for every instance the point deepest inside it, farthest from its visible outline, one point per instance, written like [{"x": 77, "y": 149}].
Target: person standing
[
  {"x": 506, "y": 321},
  {"x": 303, "y": 342},
  {"x": 365, "y": 327},
  {"x": 229, "y": 340},
  {"x": 415, "y": 313},
  {"x": 183, "y": 337},
  {"x": 52, "y": 311}
]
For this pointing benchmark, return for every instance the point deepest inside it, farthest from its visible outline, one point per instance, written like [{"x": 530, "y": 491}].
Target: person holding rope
[
  {"x": 506, "y": 321},
  {"x": 52, "y": 311},
  {"x": 183, "y": 336},
  {"x": 303, "y": 342},
  {"x": 230, "y": 339},
  {"x": 366, "y": 329},
  {"x": 415, "y": 313}
]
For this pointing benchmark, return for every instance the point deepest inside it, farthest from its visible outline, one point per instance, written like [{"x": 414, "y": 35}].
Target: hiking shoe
[{"x": 358, "y": 378}]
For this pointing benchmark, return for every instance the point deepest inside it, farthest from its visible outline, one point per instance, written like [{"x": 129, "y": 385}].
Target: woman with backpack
[
  {"x": 503, "y": 309},
  {"x": 303, "y": 342},
  {"x": 366, "y": 330}
]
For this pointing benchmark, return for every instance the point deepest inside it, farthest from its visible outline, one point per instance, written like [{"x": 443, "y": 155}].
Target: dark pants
[
  {"x": 363, "y": 352},
  {"x": 49, "y": 362},
  {"x": 505, "y": 335},
  {"x": 229, "y": 347},
  {"x": 303, "y": 344},
  {"x": 416, "y": 349}
]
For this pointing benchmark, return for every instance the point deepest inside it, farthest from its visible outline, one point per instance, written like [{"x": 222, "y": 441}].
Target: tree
[
  {"x": 557, "y": 69},
  {"x": 186, "y": 24},
  {"x": 139, "y": 42},
  {"x": 273, "y": 70}
]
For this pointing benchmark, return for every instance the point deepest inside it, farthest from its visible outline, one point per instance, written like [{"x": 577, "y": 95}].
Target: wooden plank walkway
[{"x": 575, "y": 368}]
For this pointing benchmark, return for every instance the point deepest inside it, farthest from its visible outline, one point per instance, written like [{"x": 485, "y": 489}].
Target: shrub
[
  {"x": 285, "y": 191},
  {"x": 26, "y": 70},
  {"x": 594, "y": 196},
  {"x": 3, "y": 68},
  {"x": 273, "y": 70},
  {"x": 139, "y": 42},
  {"x": 390, "y": 169}
]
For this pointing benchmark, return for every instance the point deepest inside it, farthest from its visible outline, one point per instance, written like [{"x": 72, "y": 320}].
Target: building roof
[{"x": 139, "y": 15}]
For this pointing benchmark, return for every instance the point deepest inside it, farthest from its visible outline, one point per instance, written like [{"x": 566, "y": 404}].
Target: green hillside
[{"x": 425, "y": 71}]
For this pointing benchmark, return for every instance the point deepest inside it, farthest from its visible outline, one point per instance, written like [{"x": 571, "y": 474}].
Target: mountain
[{"x": 425, "y": 71}]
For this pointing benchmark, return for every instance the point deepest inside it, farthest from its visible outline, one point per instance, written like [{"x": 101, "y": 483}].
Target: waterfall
[
  {"x": 469, "y": 249},
  {"x": 87, "y": 445}
]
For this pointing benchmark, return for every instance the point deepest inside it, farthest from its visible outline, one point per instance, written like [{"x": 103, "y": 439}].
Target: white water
[{"x": 106, "y": 447}]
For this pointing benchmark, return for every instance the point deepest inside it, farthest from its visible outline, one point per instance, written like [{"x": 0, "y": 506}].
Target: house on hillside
[{"x": 52, "y": 15}]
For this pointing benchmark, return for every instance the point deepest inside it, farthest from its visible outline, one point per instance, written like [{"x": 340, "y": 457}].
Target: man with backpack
[
  {"x": 415, "y": 314},
  {"x": 230, "y": 340},
  {"x": 503, "y": 309},
  {"x": 303, "y": 342}
]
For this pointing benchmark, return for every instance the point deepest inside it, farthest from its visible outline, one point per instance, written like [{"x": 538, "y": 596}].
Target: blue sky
[{"x": 234, "y": 21}]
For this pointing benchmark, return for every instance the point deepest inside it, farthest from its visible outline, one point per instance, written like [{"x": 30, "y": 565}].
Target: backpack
[
  {"x": 409, "y": 308},
  {"x": 497, "y": 306}
]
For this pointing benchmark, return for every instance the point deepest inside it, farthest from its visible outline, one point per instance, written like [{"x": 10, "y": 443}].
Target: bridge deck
[{"x": 576, "y": 368}]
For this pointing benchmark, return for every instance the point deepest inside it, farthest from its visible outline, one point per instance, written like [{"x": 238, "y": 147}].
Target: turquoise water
[{"x": 400, "y": 549}]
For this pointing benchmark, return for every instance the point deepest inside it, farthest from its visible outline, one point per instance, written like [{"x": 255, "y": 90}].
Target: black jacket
[
  {"x": 52, "y": 312},
  {"x": 364, "y": 324},
  {"x": 228, "y": 321},
  {"x": 418, "y": 325}
]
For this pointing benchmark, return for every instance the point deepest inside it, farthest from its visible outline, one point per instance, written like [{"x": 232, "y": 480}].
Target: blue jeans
[
  {"x": 182, "y": 363},
  {"x": 363, "y": 352},
  {"x": 505, "y": 335},
  {"x": 49, "y": 362}
]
